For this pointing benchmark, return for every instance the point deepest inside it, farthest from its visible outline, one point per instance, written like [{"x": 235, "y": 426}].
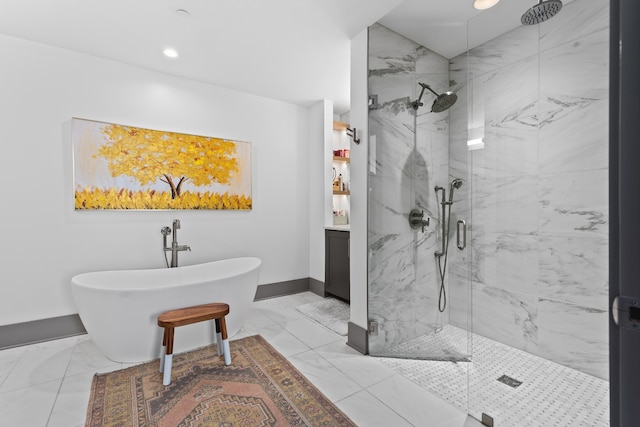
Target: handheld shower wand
[
  {"x": 443, "y": 254},
  {"x": 455, "y": 184},
  {"x": 165, "y": 232}
]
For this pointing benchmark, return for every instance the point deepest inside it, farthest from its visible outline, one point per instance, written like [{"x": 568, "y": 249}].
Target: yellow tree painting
[{"x": 125, "y": 167}]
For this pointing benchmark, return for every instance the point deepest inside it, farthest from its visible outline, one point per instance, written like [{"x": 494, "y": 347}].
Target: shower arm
[
  {"x": 426, "y": 86},
  {"x": 417, "y": 103},
  {"x": 420, "y": 96}
]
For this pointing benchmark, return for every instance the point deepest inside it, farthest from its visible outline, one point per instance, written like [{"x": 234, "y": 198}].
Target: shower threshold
[
  {"x": 454, "y": 359},
  {"x": 447, "y": 344}
]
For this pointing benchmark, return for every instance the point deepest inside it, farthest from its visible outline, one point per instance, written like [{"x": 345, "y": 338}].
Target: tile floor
[
  {"x": 554, "y": 395},
  {"x": 47, "y": 384}
]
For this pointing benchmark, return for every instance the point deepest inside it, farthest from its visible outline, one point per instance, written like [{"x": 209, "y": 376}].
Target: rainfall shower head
[
  {"x": 544, "y": 10},
  {"x": 443, "y": 101}
]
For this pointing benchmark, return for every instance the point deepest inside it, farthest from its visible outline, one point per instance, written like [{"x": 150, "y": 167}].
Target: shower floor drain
[{"x": 511, "y": 382}]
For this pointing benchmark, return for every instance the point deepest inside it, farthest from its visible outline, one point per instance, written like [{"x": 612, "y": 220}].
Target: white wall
[
  {"x": 359, "y": 181},
  {"x": 45, "y": 242},
  {"x": 320, "y": 134}
]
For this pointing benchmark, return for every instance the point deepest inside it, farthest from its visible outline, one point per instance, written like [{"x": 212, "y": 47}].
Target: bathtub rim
[{"x": 252, "y": 263}]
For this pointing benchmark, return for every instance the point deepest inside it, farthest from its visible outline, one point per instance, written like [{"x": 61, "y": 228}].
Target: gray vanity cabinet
[{"x": 336, "y": 270}]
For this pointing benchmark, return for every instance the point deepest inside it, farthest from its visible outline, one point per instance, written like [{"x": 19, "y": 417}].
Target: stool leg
[
  {"x": 163, "y": 349},
  {"x": 225, "y": 341},
  {"x": 168, "y": 358},
  {"x": 166, "y": 379},
  {"x": 219, "y": 337}
]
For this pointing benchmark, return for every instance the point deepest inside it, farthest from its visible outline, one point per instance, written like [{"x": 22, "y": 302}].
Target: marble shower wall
[
  {"x": 539, "y": 97},
  {"x": 409, "y": 154}
]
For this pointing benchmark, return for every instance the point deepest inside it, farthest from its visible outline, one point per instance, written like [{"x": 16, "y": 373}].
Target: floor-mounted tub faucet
[{"x": 175, "y": 247}]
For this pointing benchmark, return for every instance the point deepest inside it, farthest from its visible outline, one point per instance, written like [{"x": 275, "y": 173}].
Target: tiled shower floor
[{"x": 550, "y": 394}]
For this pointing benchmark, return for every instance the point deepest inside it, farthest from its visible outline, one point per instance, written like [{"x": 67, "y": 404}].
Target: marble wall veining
[
  {"x": 535, "y": 273},
  {"x": 539, "y": 253},
  {"x": 408, "y": 157}
]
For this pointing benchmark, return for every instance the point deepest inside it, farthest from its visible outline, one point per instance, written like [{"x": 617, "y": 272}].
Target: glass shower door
[
  {"x": 538, "y": 97},
  {"x": 418, "y": 288}
]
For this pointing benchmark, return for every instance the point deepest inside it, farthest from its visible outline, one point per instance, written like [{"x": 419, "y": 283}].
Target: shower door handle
[{"x": 461, "y": 243}]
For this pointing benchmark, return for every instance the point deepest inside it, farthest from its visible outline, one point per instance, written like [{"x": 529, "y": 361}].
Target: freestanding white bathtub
[{"x": 119, "y": 309}]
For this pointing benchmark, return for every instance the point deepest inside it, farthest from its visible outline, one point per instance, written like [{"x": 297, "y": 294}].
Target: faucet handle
[
  {"x": 416, "y": 219},
  {"x": 165, "y": 231}
]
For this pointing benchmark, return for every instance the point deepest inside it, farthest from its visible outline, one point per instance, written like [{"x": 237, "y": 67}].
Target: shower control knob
[{"x": 416, "y": 220}]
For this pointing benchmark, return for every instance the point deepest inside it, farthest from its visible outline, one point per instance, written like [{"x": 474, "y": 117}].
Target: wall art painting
[{"x": 126, "y": 167}]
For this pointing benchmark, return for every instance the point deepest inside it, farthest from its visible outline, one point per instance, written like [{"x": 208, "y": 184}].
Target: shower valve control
[{"x": 416, "y": 219}]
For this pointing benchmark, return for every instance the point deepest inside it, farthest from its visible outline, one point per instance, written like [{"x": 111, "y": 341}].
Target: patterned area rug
[
  {"x": 260, "y": 388},
  {"x": 330, "y": 313}
]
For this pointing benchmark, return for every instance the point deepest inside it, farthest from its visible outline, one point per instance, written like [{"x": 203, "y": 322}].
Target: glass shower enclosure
[
  {"x": 519, "y": 312},
  {"x": 413, "y": 310}
]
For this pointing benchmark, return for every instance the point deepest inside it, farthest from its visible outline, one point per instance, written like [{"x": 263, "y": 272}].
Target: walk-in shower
[{"x": 524, "y": 306}]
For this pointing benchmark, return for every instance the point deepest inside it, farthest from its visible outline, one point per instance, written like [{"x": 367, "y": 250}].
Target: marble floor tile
[
  {"x": 87, "y": 358},
  {"x": 366, "y": 410},
  {"x": 283, "y": 341},
  {"x": 364, "y": 371},
  {"x": 311, "y": 333},
  {"x": 72, "y": 394},
  {"x": 48, "y": 384},
  {"x": 8, "y": 359},
  {"x": 40, "y": 363},
  {"x": 332, "y": 382},
  {"x": 30, "y": 406},
  {"x": 260, "y": 317},
  {"x": 279, "y": 316},
  {"x": 418, "y": 406}
]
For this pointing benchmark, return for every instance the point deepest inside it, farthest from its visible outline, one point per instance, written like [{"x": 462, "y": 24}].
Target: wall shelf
[
  {"x": 340, "y": 194},
  {"x": 340, "y": 125}
]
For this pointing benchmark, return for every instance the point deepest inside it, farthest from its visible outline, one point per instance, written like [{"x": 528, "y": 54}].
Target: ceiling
[{"x": 291, "y": 50}]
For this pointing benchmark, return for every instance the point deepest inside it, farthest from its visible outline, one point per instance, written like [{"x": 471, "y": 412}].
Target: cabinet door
[{"x": 337, "y": 263}]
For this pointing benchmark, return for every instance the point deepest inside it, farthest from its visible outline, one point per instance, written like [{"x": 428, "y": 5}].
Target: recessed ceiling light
[
  {"x": 484, "y": 4},
  {"x": 170, "y": 52},
  {"x": 182, "y": 12}
]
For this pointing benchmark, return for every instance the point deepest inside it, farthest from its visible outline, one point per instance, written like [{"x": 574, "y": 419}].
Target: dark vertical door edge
[{"x": 624, "y": 205}]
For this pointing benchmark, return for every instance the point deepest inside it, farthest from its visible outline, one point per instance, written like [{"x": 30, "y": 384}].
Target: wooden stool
[{"x": 186, "y": 316}]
